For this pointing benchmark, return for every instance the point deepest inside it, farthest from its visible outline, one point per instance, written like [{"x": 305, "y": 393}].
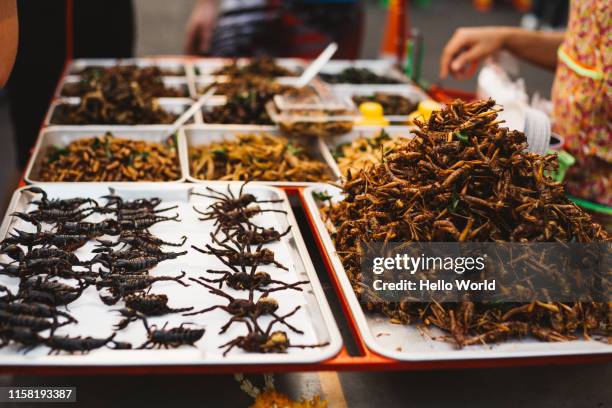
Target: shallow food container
[
  {"x": 198, "y": 135},
  {"x": 63, "y": 135},
  {"x": 328, "y": 145},
  {"x": 406, "y": 342},
  {"x": 208, "y": 66},
  {"x": 408, "y": 91},
  {"x": 202, "y": 83},
  {"x": 174, "y": 105},
  {"x": 95, "y": 319},
  {"x": 180, "y": 84},
  {"x": 379, "y": 67},
  {"x": 169, "y": 66}
]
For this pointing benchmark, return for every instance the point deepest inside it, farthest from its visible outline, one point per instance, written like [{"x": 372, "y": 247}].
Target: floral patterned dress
[{"x": 582, "y": 99}]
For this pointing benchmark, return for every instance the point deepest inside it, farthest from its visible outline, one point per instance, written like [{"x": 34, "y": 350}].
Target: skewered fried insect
[
  {"x": 146, "y": 305},
  {"x": 59, "y": 204},
  {"x": 242, "y": 256},
  {"x": 244, "y": 308},
  {"x": 139, "y": 224},
  {"x": 57, "y": 344},
  {"x": 464, "y": 178},
  {"x": 111, "y": 158},
  {"x": 170, "y": 338},
  {"x": 257, "y": 156},
  {"x": 149, "y": 81},
  {"x": 265, "y": 341},
  {"x": 52, "y": 293},
  {"x": 354, "y": 75},
  {"x": 392, "y": 104},
  {"x": 35, "y": 323},
  {"x": 135, "y": 261},
  {"x": 55, "y": 216},
  {"x": 88, "y": 229},
  {"x": 140, "y": 241},
  {"x": 67, "y": 242},
  {"x": 24, "y": 336},
  {"x": 123, "y": 285},
  {"x": 17, "y": 254}
]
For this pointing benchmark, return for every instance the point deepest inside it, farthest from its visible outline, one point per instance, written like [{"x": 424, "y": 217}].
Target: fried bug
[
  {"x": 67, "y": 242},
  {"x": 17, "y": 254},
  {"x": 139, "y": 224},
  {"x": 89, "y": 229},
  {"x": 242, "y": 256},
  {"x": 57, "y": 344},
  {"x": 44, "y": 266},
  {"x": 147, "y": 305},
  {"x": 139, "y": 262},
  {"x": 25, "y": 336},
  {"x": 233, "y": 217},
  {"x": 251, "y": 234},
  {"x": 139, "y": 204},
  {"x": 259, "y": 341},
  {"x": 229, "y": 202},
  {"x": 122, "y": 285},
  {"x": 54, "y": 216},
  {"x": 35, "y": 323},
  {"x": 59, "y": 204},
  {"x": 244, "y": 308},
  {"x": 51, "y": 293},
  {"x": 138, "y": 240},
  {"x": 35, "y": 309},
  {"x": 170, "y": 338}
]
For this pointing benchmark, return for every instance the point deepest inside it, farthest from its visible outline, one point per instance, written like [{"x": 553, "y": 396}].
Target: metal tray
[
  {"x": 62, "y": 135},
  {"x": 196, "y": 135},
  {"x": 405, "y": 342},
  {"x": 329, "y": 144},
  {"x": 175, "y": 105},
  {"x": 379, "y": 67},
  {"x": 169, "y": 81},
  {"x": 173, "y": 66},
  {"x": 207, "y": 66},
  {"x": 95, "y": 319},
  {"x": 408, "y": 91}
]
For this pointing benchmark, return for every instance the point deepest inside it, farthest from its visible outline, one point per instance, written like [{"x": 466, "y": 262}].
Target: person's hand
[
  {"x": 468, "y": 47},
  {"x": 200, "y": 27}
]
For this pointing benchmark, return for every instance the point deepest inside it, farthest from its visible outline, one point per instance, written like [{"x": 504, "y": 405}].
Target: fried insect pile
[
  {"x": 256, "y": 156},
  {"x": 232, "y": 245},
  {"x": 110, "y": 158},
  {"x": 261, "y": 67},
  {"x": 51, "y": 275},
  {"x": 466, "y": 178},
  {"x": 148, "y": 79},
  {"x": 353, "y": 75}
]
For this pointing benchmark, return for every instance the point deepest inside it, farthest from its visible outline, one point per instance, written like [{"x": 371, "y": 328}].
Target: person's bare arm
[
  {"x": 200, "y": 27},
  {"x": 469, "y": 46},
  {"x": 8, "y": 38}
]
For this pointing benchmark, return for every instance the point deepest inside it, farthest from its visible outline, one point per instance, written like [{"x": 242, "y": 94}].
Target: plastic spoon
[
  {"x": 316, "y": 65},
  {"x": 191, "y": 111}
]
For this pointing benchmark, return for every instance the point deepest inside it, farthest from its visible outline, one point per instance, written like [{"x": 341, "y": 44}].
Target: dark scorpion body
[
  {"x": 67, "y": 242},
  {"x": 170, "y": 338},
  {"x": 71, "y": 345},
  {"x": 54, "y": 215},
  {"x": 34, "y": 323},
  {"x": 245, "y": 308},
  {"x": 135, "y": 261},
  {"x": 147, "y": 305},
  {"x": 142, "y": 241},
  {"x": 265, "y": 341},
  {"x": 139, "y": 204},
  {"x": 89, "y": 229},
  {"x": 25, "y": 336},
  {"x": 59, "y": 204},
  {"x": 17, "y": 254},
  {"x": 49, "y": 292},
  {"x": 123, "y": 285},
  {"x": 35, "y": 309}
]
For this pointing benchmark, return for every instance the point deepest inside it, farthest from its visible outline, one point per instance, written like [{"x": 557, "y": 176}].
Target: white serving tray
[
  {"x": 196, "y": 135},
  {"x": 95, "y": 318},
  {"x": 174, "y": 105},
  {"x": 406, "y": 342},
  {"x": 329, "y": 144},
  {"x": 63, "y": 135}
]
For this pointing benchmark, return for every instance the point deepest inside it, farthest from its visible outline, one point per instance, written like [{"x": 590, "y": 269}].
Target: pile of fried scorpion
[
  {"x": 466, "y": 178},
  {"x": 46, "y": 265}
]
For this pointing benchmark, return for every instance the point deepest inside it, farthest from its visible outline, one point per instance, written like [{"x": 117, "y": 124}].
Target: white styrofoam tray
[
  {"x": 96, "y": 319},
  {"x": 406, "y": 342},
  {"x": 197, "y": 135},
  {"x": 63, "y": 135}
]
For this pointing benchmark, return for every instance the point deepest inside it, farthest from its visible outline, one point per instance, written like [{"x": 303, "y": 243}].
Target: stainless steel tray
[
  {"x": 95, "y": 319},
  {"x": 406, "y": 342},
  {"x": 63, "y": 135},
  {"x": 196, "y": 135},
  {"x": 329, "y": 144},
  {"x": 174, "y": 105}
]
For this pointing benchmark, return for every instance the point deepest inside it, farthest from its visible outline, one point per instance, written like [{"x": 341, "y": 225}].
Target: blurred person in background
[
  {"x": 582, "y": 91},
  {"x": 99, "y": 29},
  {"x": 276, "y": 28},
  {"x": 8, "y": 38}
]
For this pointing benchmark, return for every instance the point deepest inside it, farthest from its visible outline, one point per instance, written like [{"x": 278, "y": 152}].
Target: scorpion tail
[{"x": 38, "y": 190}]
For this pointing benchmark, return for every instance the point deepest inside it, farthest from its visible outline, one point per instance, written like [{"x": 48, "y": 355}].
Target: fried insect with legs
[
  {"x": 170, "y": 338},
  {"x": 146, "y": 305}
]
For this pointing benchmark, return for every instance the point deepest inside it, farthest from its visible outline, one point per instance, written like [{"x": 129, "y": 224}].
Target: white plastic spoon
[{"x": 316, "y": 65}]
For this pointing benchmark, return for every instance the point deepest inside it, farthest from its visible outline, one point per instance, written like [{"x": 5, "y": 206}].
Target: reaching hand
[
  {"x": 200, "y": 27},
  {"x": 468, "y": 47}
]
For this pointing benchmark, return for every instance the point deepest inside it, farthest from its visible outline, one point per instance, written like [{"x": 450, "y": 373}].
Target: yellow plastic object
[
  {"x": 372, "y": 114},
  {"x": 424, "y": 110}
]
